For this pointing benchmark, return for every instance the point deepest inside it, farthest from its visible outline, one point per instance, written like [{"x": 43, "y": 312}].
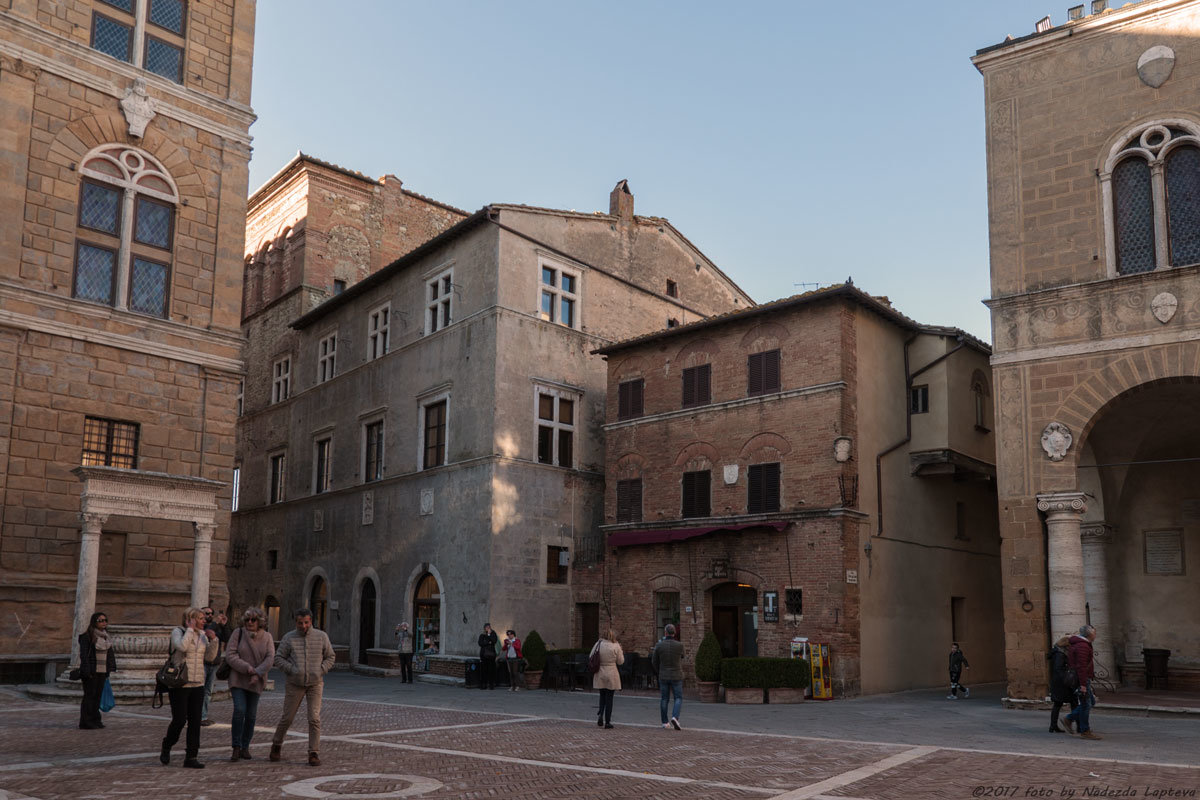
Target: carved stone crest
[
  {"x": 1056, "y": 441},
  {"x": 139, "y": 108},
  {"x": 426, "y": 502},
  {"x": 1163, "y": 306},
  {"x": 1155, "y": 65},
  {"x": 730, "y": 472}
]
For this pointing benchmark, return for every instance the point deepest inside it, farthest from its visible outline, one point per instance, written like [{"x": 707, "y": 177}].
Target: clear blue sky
[{"x": 793, "y": 142}]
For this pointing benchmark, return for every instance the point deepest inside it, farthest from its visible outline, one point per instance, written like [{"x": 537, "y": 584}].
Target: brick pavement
[{"x": 450, "y": 753}]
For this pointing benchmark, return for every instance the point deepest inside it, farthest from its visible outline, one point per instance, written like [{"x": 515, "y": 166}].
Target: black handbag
[
  {"x": 1070, "y": 679},
  {"x": 173, "y": 674}
]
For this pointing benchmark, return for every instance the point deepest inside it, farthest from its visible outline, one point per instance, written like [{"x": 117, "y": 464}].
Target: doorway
[
  {"x": 318, "y": 603},
  {"x": 734, "y": 620},
  {"x": 271, "y": 606},
  {"x": 427, "y": 614},
  {"x": 366, "y": 619},
  {"x": 589, "y": 623}
]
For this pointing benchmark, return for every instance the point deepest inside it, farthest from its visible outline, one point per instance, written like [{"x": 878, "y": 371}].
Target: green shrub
[
  {"x": 534, "y": 651},
  {"x": 708, "y": 659},
  {"x": 764, "y": 673}
]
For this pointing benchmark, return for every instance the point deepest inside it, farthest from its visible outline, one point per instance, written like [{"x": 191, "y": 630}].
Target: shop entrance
[
  {"x": 734, "y": 619},
  {"x": 427, "y": 615}
]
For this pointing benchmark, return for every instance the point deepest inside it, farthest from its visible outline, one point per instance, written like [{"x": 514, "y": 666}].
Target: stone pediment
[{"x": 110, "y": 491}]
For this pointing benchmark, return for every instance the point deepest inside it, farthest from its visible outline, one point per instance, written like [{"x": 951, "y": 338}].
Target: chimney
[{"x": 620, "y": 202}]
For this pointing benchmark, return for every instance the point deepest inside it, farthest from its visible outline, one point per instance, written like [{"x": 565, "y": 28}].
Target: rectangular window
[
  {"x": 697, "y": 386},
  {"x": 109, "y": 443},
  {"x": 435, "y": 435},
  {"x": 960, "y": 522},
  {"x": 112, "y": 38},
  {"x": 629, "y": 399},
  {"x": 148, "y": 282},
  {"x": 168, "y": 14},
  {"x": 629, "y": 500},
  {"x": 95, "y": 273},
  {"x": 377, "y": 332},
  {"x": 763, "y": 482},
  {"x": 100, "y": 208},
  {"x": 559, "y": 295},
  {"x": 373, "y": 451},
  {"x": 153, "y": 222},
  {"x": 666, "y": 611},
  {"x": 163, "y": 58},
  {"x": 918, "y": 400},
  {"x": 278, "y": 477},
  {"x": 794, "y": 601},
  {"x": 763, "y": 373},
  {"x": 281, "y": 380},
  {"x": 672, "y": 289},
  {"x": 272, "y": 559},
  {"x": 696, "y": 493},
  {"x": 555, "y": 428},
  {"x": 322, "y": 455},
  {"x": 958, "y": 618},
  {"x": 339, "y": 286},
  {"x": 237, "y": 489},
  {"x": 326, "y": 357},
  {"x": 439, "y": 300},
  {"x": 241, "y": 396},
  {"x": 557, "y": 564}
]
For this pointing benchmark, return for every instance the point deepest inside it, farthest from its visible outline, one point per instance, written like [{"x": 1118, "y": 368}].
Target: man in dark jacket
[
  {"x": 958, "y": 662},
  {"x": 667, "y": 660},
  {"x": 1079, "y": 658},
  {"x": 488, "y": 640}
]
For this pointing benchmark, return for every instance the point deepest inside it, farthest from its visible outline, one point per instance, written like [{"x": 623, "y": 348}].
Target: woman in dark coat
[
  {"x": 96, "y": 662},
  {"x": 1059, "y": 691}
]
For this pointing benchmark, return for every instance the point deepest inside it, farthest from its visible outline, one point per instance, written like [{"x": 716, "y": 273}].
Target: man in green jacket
[
  {"x": 304, "y": 655},
  {"x": 667, "y": 660}
]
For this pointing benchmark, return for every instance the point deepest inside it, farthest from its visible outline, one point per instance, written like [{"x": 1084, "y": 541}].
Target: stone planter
[
  {"x": 776, "y": 696},
  {"x": 708, "y": 690},
  {"x": 744, "y": 696},
  {"x": 533, "y": 678}
]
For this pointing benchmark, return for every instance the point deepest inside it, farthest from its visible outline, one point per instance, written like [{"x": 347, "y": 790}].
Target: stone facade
[
  {"x": 884, "y": 519},
  {"x": 445, "y": 514},
  {"x": 1092, "y": 141},
  {"x": 120, "y": 263}
]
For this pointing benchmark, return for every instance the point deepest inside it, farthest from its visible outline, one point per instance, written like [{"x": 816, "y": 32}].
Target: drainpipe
[{"x": 908, "y": 381}]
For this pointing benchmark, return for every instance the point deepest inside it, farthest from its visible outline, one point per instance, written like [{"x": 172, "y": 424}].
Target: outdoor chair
[
  {"x": 626, "y": 670},
  {"x": 555, "y": 673},
  {"x": 643, "y": 674}
]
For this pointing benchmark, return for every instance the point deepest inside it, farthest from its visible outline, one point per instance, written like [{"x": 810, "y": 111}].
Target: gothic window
[
  {"x": 125, "y": 231},
  {"x": 1151, "y": 186}
]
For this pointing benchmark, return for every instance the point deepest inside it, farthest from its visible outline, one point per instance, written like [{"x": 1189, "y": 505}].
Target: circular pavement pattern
[{"x": 308, "y": 788}]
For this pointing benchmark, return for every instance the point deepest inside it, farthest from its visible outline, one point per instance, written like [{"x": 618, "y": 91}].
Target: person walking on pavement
[
  {"x": 304, "y": 656},
  {"x": 96, "y": 662},
  {"x": 607, "y": 679},
  {"x": 218, "y": 624},
  {"x": 667, "y": 660},
  {"x": 512, "y": 657},
  {"x": 1079, "y": 658},
  {"x": 487, "y": 657},
  {"x": 1060, "y": 692},
  {"x": 958, "y": 662},
  {"x": 250, "y": 654},
  {"x": 404, "y": 648},
  {"x": 197, "y": 646}
]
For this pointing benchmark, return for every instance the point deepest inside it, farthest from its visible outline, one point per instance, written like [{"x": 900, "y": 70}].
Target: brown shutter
[
  {"x": 755, "y": 376},
  {"x": 689, "y": 387},
  {"x": 770, "y": 376},
  {"x": 703, "y": 496},
  {"x": 704, "y": 384},
  {"x": 636, "y": 402},
  {"x": 623, "y": 392}
]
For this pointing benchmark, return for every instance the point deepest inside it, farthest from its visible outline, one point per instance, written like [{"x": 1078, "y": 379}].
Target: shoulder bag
[
  {"x": 173, "y": 674},
  {"x": 223, "y": 668},
  {"x": 594, "y": 659}
]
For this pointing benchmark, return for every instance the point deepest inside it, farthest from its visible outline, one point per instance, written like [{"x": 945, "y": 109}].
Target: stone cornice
[
  {"x": 108, "y": 491},
  {"x": 726, "y": 405},
  {"x": 22, "y": 30}
]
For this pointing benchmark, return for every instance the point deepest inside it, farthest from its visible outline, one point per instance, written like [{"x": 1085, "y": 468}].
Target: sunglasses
[{"x": 102, "y": 619}]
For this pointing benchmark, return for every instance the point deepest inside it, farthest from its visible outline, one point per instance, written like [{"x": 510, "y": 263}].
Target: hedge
[
  {"x": 534, "y": 651},
  {"x": 765, "y": 673},
  {"x": 708, "y": 659}
]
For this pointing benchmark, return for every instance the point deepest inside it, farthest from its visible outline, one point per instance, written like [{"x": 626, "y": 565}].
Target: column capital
[
  {"x": 1096, "y": 532},
  {"x": 204, "y": 531},
  {"x": 92, "y": 522},
  {"x": 1062, "y": 503}
]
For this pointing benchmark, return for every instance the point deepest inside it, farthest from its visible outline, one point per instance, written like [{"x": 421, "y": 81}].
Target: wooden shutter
[
  {"x": 696, "y": 488},
  {"x": 629, "y": 500},
  {"x": 689, "y": 387},
  {"x": 629, "y": 399},
  {"x": 697, "y": 383},
  {"x": 755, "y": 377},
  {"x": 763, "y": 369},
  {"x": 763, "y": 488}
]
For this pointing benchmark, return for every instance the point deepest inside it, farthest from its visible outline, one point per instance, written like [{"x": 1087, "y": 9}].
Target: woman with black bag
[
  {"x": 1060, "y": 689},
  {"x": 96, "y": 662},
  {"x": 191, "y": 645},
  {"x": 249, "y": 656}
]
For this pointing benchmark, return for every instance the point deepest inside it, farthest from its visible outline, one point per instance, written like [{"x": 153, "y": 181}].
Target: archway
[
  {"x": 366, "y": 619},
  {"x": 318, "y": 602},
  {"x": 271, "y": 606},
  {"x": 427, "y": 614},
  {"x": 733, "y": 619}
]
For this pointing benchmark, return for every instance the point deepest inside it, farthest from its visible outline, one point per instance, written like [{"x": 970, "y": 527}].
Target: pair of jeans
[
  {"x": 1081, "y": 713},
  {"x": 666, "y": 689},
  {"x": 406, "y": 667},
  {"x": 210, "y": 677},
  {"x": 487, "y": 672},
  {"x": 245, "y": 713},
  {"x": 606, "y": 703},
  {"x": 186, "y": 704},
  {"x": 1057, "y": 707},
  {"x": 514, "y": 673},
  {"x": 292, "y": 695},
  {"x": 89, "y": 709}
]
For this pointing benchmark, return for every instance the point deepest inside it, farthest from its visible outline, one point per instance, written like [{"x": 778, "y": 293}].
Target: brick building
[
  {"x": 818, "y": 466},
  {"x": 423, "y": 443},
  {"x": 123, "y": 171},
  {"x": 1093, "y": 144}
]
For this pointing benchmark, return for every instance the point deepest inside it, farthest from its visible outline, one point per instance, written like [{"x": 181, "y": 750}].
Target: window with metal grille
[
  {"x": 112, "y": 37},
  {"x": 118, "y": 33},
  {"x": 377, "y": 331},
  {"x": 697, "y": 386},
  {"x": 435, "y": 435},
  {"x": 559, "y": 294},
  {"x": 127, "y": 266},
  {"x": 373, "y": 451},
  {"x": 326, "y": 357},
  {"x": 763, "y": 373},
  {"x": 557, "y": 564},
  {"x": 109, "y": 443},
  {"x": 697, "y": 487},
  {"x": 918, "y": 400},
  {"x": 1183, "y": 205},
  {"x": 281, "y": 380},
  {"x": 439, "y": 301},
  {"x": 629, "y": 399},
  {"x": 793, "y": 600},
  {"x": 322, "y": 460},
  {"x": 278, "y": 475},
  {"x": 629, "y": 500},
  {"x": 763, "y": 488},
  {"x": 555, "y": 428}
]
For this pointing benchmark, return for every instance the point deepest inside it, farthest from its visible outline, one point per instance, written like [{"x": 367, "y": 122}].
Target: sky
[{"x": 797, "y": 144}]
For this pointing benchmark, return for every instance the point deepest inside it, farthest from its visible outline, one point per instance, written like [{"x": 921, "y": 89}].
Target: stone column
[
  {"x": 1064, "y": 569},
  {"x": 85, "y": 584},
  {"x": 202, "y": 562},
  {"x": 1095, "y": 539}
]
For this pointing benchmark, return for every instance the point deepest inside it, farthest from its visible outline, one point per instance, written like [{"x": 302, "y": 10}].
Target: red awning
[{"x": 658, "y": 535}]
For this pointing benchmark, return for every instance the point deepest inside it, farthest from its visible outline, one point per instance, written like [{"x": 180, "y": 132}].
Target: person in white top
[{"x": 191, "y": 645}]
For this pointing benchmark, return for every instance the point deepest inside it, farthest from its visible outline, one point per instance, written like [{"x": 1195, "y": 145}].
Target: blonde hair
[
  {"x": 190, "y": 613},
  {"x": 611, "y": 634},
  {"x": 254, "y": 613}
]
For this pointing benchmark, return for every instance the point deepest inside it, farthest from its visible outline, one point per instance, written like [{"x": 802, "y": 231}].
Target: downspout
[{"x": 908, "y": 380}]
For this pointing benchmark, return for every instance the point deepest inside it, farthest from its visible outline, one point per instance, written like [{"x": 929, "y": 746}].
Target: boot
[
  {"x": 246, "y": 754},
  {"x": 1090, "y": 735},
  {"x": 237, "y": 754},
  {"x": 165, "y": 755},
  {"x": 192, "y": 763},
  {"x": 276, "y": 752},
  {"x": 313, "y": 759}
]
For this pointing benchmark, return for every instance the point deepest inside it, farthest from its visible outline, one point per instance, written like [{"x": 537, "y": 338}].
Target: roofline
[{"x": 847, "y": 291}]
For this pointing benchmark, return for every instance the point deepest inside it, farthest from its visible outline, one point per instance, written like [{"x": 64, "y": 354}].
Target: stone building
[
  {"x": 123, "y": 172},
  {"x": 426, "y": 443},
  {"x": 820, "y": 466},
  {"x": 1093, "y": 145}
]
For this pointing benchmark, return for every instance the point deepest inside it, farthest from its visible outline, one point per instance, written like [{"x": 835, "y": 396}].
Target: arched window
[
  {"x": 126, "y": 227},
  {"x": 1151, "y": 188},
  {"x": 979, "y": 394}
]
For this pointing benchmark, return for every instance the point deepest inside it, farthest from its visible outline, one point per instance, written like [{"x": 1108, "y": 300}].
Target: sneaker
[
  {"x": 599, "y": 723},
  {"x": 608, "y": 725},
  {"x": 966, "y": 692},
  {"x": 1069, "y": 724},
  {"x": 666, "y": 725},
  {"x": 675, "y": 723},
  {"x": 314, "y": 760},
  {"x": 1090, "y": 735},
  {"x": 204, "y": 723},
  {"x": 276, "y": 752},
  {"x": 951, "y": 697}
]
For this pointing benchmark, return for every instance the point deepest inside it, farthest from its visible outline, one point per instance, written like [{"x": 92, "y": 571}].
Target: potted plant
[
  {"x": 708, "y": 668},
  {"x": 743, "y": 680},
  {"x": 534, "y": 652},
  {"x": 787, "y": 678}
]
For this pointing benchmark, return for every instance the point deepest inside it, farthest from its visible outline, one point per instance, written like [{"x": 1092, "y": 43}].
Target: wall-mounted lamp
[{"x": 867, "y": 548}]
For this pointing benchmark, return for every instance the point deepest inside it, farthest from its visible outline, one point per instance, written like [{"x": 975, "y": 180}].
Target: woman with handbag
[
  {"x": 190, "y": 646},
  {"x": 1060, "y": 690},
  {"x": 511, "y": 648},
  {"x": 96, "y": 662},
  {"x": 249, "y": 655},
  {"x": 607, "y": 679}
]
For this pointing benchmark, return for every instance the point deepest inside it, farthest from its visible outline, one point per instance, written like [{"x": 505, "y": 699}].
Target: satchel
[
  {"x": 173, "y": 674},
  {"x": 594, "y": 659}
]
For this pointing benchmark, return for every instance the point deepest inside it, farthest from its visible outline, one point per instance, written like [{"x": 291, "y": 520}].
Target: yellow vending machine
[{"x": 817, "y": 656}]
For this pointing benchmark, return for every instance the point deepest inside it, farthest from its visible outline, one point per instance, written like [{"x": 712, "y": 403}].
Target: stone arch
[
  {"x": 628, "y": 368},
  {"x": 735, "y": 575},
  {"x": 410, "y": 587},
  {"x": 630, "y": 465},
  {"x": 765, "y": 447},
  {"x": 309, "y": 581},
  {"x": 978, "y": 378},
  {"x": 695, "y": 353},
  {"x": 697, "y": 452},
  {"x": 365, "y": 574},
  {"x": 665, "y": 582},
  {"x": 764, "y": 336}
]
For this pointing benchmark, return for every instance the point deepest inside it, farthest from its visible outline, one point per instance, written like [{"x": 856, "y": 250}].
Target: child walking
[{"x": 958, "y": 662}]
